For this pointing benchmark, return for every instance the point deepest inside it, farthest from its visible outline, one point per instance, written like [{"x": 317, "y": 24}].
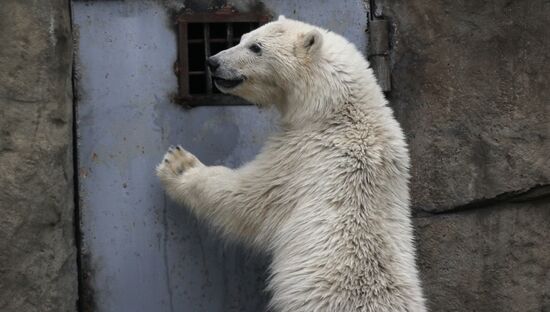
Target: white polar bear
[{"x": 328, "y": 195}]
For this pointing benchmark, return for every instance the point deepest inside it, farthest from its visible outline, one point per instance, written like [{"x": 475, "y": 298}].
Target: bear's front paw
[{"x": 175, "y": 162}]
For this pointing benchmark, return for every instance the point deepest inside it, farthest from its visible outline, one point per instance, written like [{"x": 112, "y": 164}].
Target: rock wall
[
  {"x": 471, "y": 89},
  {"x": 37, "y": 246},
  {"x": 487, "y": 260}
]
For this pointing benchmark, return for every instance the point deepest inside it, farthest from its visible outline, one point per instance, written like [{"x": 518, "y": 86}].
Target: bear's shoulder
[{"x": 371, "y": 138}]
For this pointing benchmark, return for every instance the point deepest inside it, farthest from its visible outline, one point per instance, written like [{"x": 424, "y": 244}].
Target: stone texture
[
  {"x": 471, "y": 89},
  {"x": 487, "y": 260},
  {"x": 37, "y": 247}
]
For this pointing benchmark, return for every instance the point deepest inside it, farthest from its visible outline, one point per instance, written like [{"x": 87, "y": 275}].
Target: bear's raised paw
[{"x": 176, "y": 161}]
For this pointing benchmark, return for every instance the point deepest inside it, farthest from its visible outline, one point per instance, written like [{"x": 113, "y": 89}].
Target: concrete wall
[
  {"x": 471, "y": 89},
  {"x": 37, "y": 246}
]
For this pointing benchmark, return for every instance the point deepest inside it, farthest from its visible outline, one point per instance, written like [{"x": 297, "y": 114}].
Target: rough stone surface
[
  {"x": 37, "y": 248},
  {"x": 471, "y": 88},
  {"x": 487, "y": 260}
]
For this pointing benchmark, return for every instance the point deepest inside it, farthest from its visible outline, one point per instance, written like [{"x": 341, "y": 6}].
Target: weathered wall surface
[
  {"x": 471, "y": 88},
  {"x": 487, "y": 260},
  {"x": 37, "y": 248}
]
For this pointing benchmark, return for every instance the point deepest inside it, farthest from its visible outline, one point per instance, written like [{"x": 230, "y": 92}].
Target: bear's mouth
[{"x": 227, "y": 83}]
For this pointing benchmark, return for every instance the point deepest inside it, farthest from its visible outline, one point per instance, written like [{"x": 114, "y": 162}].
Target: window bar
[
  {"x": 183, "y": 62},
  {"x": 229, "y": 35},
  {"x": 207, "y": 54}
]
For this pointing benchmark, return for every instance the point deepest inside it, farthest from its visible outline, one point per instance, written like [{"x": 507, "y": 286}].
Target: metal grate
[{"x": 200, "y": 36}]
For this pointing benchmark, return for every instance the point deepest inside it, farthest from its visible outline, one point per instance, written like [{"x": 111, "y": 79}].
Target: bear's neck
[{"x": 315, "y": 100}]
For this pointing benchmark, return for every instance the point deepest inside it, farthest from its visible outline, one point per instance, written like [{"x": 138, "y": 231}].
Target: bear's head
[
  {"x": 267, "y": 62},
  {"x": 306, "y": 71}
]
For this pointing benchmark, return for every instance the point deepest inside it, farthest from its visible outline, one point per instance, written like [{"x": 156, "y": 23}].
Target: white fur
[{"x": 328, "y": 195}]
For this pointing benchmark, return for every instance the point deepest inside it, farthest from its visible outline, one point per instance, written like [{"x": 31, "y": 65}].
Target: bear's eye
[{"x": 255, "y": 48}]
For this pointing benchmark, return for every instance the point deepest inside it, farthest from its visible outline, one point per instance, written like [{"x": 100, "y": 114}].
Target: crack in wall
[
  {"x": 84, "y": 300},
  {"x": 537, "y": 192}
]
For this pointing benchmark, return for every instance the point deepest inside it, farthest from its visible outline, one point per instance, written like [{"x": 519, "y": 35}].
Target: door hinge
[{"x": 379, "y": 47}]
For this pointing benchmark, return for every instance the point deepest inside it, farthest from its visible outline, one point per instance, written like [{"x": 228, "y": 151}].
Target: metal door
[{"x": 138, "y": 250}]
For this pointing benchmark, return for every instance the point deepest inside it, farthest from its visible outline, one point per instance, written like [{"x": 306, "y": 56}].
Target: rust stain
[{"x": 83, "y": 172}]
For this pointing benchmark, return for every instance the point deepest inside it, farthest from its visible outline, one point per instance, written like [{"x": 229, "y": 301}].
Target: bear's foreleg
[{"x": 214, "y": 194}]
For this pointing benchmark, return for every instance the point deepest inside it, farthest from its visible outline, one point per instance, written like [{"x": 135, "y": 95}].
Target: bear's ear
[
  {"x": 281, "y": 18},
  {"x": 311, "y": 41}
]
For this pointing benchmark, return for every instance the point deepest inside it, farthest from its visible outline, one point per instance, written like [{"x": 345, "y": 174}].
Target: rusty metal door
[{"x": 138, "y": 250}]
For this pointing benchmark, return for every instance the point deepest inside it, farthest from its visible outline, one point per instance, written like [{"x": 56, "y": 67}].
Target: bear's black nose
[{"x": 212, "y": 63}]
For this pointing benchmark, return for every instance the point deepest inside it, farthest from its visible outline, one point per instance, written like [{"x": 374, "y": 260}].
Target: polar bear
[{"x": 328, "y": 196}]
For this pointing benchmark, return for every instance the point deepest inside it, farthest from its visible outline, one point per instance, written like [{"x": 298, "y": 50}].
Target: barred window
[{"x": 200, "y": 36}]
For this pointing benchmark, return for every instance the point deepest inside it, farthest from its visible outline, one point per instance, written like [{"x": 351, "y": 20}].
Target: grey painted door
[{"x": 139, "y": 251}]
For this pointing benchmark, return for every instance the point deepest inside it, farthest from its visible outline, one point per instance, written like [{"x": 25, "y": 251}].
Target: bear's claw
[{"x": 176, "y": 161}]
